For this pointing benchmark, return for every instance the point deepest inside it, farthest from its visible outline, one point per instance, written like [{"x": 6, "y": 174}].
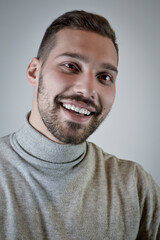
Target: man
[{"x": 53, "y": 183}]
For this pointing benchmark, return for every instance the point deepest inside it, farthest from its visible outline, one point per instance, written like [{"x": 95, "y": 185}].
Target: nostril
[
  {"x": 86, "y": 94},
  {"x": 92, "y": 97}
]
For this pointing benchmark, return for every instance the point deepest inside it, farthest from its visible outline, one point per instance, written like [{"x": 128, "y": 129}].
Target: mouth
[
  {"x": 76, "y": 113},
  {"x": 77, "y": 110}
]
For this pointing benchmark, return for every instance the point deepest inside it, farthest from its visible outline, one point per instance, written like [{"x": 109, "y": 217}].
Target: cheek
[
  {"x": 56, "y": 82},
  {"x": 107, "y": 98}
]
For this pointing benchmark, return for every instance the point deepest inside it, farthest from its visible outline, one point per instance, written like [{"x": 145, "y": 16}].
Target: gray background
[{"x": 132, "y": 129}]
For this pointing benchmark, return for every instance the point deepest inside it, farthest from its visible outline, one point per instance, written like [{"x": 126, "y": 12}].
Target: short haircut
[{"x": 79, "y": 20}]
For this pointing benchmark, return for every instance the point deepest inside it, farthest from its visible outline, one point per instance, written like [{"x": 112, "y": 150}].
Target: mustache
[{"x": 80, "y": 98}]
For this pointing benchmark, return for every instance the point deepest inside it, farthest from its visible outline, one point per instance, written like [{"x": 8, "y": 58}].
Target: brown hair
[{"x": 80, "y": 20}]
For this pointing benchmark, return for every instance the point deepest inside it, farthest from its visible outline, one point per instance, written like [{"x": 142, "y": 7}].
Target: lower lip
[{"x": 75, "y": 117}]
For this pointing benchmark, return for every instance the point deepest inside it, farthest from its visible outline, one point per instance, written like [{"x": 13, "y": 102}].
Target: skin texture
[{"x": 81, "y": 71}]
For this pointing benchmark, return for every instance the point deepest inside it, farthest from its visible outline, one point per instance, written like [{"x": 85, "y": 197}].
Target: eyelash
[
  {"x": 73, "y": 68},
  {"x": 104, "y": 75}
]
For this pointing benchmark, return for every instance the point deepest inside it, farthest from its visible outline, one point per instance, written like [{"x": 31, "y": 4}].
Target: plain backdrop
[{"x": 131, "y": 130}]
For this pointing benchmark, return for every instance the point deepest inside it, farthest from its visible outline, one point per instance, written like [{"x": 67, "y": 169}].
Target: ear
[{"x": 33, "y": 71}]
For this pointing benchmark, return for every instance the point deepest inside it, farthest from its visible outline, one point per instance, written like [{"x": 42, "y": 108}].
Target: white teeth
[{"x": 76, "y": 109}]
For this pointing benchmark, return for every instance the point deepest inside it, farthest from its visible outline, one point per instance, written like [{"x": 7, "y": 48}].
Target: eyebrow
[
  {"x": 83, "y": 58},
  {"x": 109, "y": 66},
  {"x": 74, "y": 55}
]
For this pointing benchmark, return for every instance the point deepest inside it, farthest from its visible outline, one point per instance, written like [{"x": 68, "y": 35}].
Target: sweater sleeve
[{"x": 149, "y": 206}]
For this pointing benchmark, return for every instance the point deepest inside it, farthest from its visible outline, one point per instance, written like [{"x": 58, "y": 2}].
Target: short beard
[{"x": 67, "y": 132}]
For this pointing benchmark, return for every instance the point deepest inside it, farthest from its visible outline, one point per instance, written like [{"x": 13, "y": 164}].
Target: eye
[
  {"x": 70, "y": 68},
  {"x": 105, "y": 78}
]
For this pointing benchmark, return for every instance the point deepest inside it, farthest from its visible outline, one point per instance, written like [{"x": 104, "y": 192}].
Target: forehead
[{"x": 91, "y": 44}]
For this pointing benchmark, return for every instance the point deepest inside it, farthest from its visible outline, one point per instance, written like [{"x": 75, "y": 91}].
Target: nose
[{"x": 85, "y": 85}]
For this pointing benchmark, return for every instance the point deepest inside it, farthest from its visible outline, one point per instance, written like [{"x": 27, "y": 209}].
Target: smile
[{"x": 76, "y": 109}]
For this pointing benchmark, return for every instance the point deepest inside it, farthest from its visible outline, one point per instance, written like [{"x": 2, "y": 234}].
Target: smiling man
[
  {"x": 53, "y": 183},
  {"x": 74, "y": 87}
]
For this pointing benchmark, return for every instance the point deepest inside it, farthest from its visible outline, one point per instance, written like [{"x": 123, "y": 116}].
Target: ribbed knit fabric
[{"x": 64, "y": 192}]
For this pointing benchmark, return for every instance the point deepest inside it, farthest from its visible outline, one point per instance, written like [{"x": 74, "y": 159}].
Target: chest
[{"x": 79, "y": 206}]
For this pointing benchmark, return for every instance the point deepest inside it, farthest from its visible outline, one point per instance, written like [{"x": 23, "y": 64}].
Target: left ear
[{"x": 33, "y": 71}]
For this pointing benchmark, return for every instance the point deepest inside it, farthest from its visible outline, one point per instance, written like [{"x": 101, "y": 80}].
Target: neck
[{"x": 41, "y": 148}]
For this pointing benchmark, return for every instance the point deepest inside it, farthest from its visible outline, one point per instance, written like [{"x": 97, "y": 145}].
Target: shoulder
[
  {"x": 6, "y": 149},
  {"x": 4, "y": 142},
  {"x": 109, "y": 160},
  {"x": 123, "y": 170}
]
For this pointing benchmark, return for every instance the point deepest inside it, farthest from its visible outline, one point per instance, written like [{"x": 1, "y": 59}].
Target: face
[{"x": 77, "y": 85}]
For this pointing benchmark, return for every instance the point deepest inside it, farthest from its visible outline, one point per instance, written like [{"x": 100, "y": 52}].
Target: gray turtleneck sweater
[{"x": 65, "y": 192}]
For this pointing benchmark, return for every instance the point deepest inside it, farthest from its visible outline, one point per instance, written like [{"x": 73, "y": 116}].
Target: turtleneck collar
[{"x": 38, "y": 146}]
